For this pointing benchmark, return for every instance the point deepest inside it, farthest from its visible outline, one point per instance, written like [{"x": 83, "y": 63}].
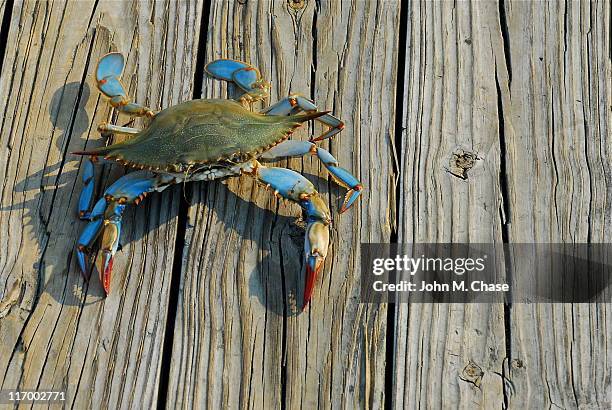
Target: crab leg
[
  {"x": 105, "y": 129},
  {"x": 105, "y": 218},
  {"x": 343, "y": 177},
  {"x": 86, "y": 240},
  {"x": 296, "y": 103},
  {"x": 108, "y": 72},
  {"x": 88, "y": 169},
  {"x": 88, "y": 189},
  {"x": 243, "y": 75},
  {"x": 290, "y": 185}
]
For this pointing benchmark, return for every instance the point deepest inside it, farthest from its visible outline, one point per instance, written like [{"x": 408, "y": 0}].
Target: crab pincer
[
  {"x": 247, "y": 78},
  {"x": 108, "y": 81},
  {"x": 105, "y": 219},
  {"x": 315, "y": 251},
  {"x": 340, "y": 175},
  {"x": 293, "y": 186}
]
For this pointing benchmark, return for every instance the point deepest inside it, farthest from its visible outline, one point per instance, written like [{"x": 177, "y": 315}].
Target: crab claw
[
  {"x": 86, "y": 240},
  {"x": 315, "y": 250},
  {"x": 247, "y": 78},
  {"x": 108, "y": 71},
  {"x": 343, "y": 177},
  {"x": 110, "y": 243},
  {"x": 108, "y": 74},
  {"x": 294, "y": 187},
  {"x": 224, "y": 69},
  {"x": 105, "y": 274},
  {"x": 82, "y": 259},
  {"x": 88, "y": 189},
  {"x": 350, "y": 197}
]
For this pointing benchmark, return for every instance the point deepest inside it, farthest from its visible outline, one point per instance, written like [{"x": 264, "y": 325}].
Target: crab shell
[{"x": 198, "y": 132}]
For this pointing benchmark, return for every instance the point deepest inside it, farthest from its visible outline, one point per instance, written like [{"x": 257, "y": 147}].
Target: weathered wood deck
[{"x": 203, "y": 312}]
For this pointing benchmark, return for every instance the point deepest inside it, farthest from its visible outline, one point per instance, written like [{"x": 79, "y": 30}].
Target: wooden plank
[
  {"x": 557, "y": 112},
  {"x": 241, "y": 341},
  {"x": 552, "y": 74},
  {"x": 57, "y": 332},
  {"x": 450, "y": 355}
]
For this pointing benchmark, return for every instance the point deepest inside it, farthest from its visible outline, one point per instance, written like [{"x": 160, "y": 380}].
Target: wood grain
[
  {"x": 449, "y": 355},
  {"x": 527, "y": 86},
  {"x": 557, "y": 102},
  {"x": 241, "y": 341},
  {"x": 57, "y": 332}
]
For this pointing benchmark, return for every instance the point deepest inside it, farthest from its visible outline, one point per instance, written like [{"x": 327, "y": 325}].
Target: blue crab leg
[
  {"x": 106, "y": 218},
  {"x": 88, "y": 171},
  {"x": 296, "y": 103},
  {"x": 86, "y": 195},
  {"x": 285, "y": 106},
  {"x": 98, "y": 209},
  {"x": 243, "y": 75},
  {"x": 94, "y": 227},
  {"x": 88, "y": 189},
  {"x": 224, "y": 69},
  {"x": 108, "y": 73},
  {"x": 86, "y": 240},
  {"x": 290, "y": 185},
  {"x": 249, "y": 79},
  {"x": 105, "y": 129},
  {"x": 289, "y": 148},
  {"x": 343, "y": 177}
]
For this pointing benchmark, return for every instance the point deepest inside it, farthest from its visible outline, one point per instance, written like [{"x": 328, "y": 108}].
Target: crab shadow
[
  {"x": 49, "y": 211},
  {"x": 276, "y": 277},
  {"x": 44, "y": 194}
]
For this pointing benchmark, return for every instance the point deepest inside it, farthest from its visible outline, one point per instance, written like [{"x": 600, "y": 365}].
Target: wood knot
[
  {"x": 517, "y": 364},
  {"x": 461, "y": 161},
  {"x": 472, "y": 373},
  {"x": 296, "y": 4}
]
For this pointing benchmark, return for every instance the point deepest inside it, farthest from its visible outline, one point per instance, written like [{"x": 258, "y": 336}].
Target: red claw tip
[
  {"x": 311, "y": 276},
  {"x": 106, "y": 278}
]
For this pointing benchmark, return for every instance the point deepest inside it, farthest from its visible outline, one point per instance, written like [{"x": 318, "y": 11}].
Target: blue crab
[{"x": 202, "y": 140}]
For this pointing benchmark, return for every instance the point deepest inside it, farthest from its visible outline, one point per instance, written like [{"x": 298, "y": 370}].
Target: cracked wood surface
[
  {"x": 240, "y": 336},
  {"x": 526, "y": 85},
  {"x": 450, "y": 104},
  {"x": 557, "y": 104},
  {"x": 56, "y": 331}
]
